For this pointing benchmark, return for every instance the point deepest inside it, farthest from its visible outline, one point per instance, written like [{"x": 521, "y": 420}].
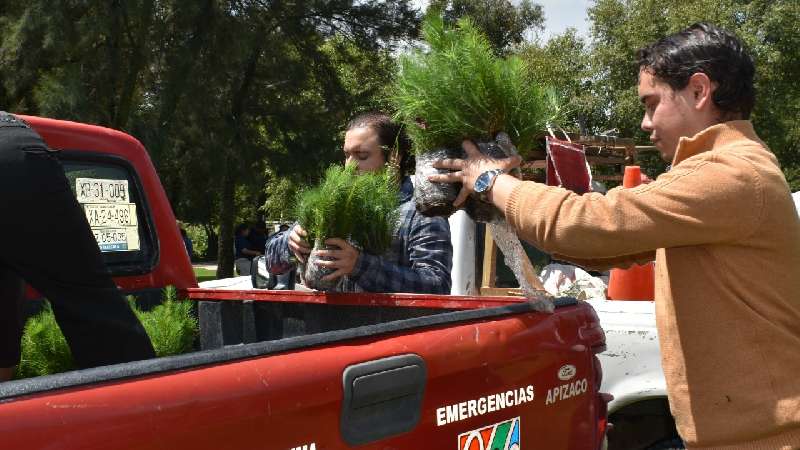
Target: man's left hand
[
  {"x": 468, "y": 170},
  {"x": 343, "y": 260}
]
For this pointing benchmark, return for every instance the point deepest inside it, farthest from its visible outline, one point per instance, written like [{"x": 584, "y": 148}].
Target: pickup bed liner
[{"x": 375, "y": 320}]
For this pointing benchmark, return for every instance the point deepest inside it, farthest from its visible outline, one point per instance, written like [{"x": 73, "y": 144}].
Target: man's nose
[{"x": 647, "y": 124}]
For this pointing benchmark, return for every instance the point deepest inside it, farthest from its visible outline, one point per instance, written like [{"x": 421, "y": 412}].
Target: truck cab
[{"x": 145, "y": 253}]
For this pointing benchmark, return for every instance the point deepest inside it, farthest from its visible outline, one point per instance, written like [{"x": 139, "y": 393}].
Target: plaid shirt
[{"x": 419, "y": 260}]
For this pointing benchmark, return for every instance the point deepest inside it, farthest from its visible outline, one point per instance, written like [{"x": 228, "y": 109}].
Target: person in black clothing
[
  {"x": 67, "y": 267},
  {"x": 243, "y": 249},
  {"x": 258, "y": 237}
]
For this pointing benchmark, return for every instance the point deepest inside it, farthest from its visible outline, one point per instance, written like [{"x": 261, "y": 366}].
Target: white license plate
[
  {"x": 110, "y": 214},
  {"x": 96, "y": 190},
  {"x": 117, "y": 239}
]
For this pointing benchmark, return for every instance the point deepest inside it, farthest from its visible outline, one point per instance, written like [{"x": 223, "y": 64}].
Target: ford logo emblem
[{"x": 566, "y": 372}]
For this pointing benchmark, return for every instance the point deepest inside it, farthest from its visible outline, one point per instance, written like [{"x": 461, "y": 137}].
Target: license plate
[
  {"x": 110, "y": 214},
  {"x": 117, "y": 239},
  {"x": 97, "y": 190}
]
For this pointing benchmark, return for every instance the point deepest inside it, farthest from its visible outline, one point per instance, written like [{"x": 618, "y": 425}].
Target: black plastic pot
[{"x": 436, "y": 199}]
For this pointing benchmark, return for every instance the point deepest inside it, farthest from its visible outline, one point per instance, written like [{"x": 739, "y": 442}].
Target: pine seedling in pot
[
  {"x": 360, "y": 208},
  {"x": 458, "y": 89}
]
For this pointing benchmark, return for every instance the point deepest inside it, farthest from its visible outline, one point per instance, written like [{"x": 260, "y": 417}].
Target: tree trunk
[
  {"x": 227, "y": 213},
  {"x": 228, "y": 200}
]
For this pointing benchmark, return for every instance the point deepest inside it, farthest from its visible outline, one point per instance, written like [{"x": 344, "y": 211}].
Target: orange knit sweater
[{"x": 726, "y": 238}]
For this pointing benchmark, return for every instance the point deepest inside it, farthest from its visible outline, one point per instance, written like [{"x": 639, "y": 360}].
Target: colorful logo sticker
[{"x": 500, "y": 436}]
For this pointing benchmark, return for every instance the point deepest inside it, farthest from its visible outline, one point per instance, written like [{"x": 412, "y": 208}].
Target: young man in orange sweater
[{"x": 721, "y": 226}]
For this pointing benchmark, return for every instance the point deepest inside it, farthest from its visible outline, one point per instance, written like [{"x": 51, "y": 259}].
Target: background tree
[
  {"x": 506, "y": 24},
  {"x": 768, "y": 28},
  {"x": 217, "y": 90}
]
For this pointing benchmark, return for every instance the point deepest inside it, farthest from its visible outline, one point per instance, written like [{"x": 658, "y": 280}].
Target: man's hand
[
  {"x": 343, "y": 260},
  {"x": 467, "y": 170},
  {"x": 298, "y": 244}
]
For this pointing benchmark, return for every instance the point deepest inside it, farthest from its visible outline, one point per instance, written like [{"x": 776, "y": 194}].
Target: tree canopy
[{"x": 241, "y": 102}]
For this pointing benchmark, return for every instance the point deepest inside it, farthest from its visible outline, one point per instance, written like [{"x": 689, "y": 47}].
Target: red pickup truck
[{"x": 299, "y": 370}]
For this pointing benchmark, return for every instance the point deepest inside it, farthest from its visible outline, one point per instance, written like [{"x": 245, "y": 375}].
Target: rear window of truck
[{"x": 109, "y": 192}]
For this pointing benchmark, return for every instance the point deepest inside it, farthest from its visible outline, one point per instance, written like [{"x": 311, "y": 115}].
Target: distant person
[
  {"x": 187, "y": 242},
  {"x": 420, "y": 257},
  {"x": 97, "y": 322},
  {"x": 258, "y": 237},
  {"x": 244, "y": 251}
]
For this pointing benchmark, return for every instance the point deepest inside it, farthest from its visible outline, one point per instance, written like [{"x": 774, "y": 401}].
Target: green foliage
[
  {"x": 767, "y": 27},
  {"x": 460, "y": 90},
  {"x": 504, "y": 23},
  {"x": 348, "y": 205},
  {"x": 199, "y": 238},
  {"x": 549, "y": 63},
  {"x": 171, "y": 326},
  {"x": 44, "y": 349}
]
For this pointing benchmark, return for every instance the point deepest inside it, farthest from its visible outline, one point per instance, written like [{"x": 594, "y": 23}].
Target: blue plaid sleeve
[
  {"x": 277, "y": 254},
  {"x": 430, "y": 254}
]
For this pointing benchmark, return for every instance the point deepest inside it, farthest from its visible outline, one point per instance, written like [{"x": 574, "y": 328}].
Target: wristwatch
[{"x": 485, "y": 181}]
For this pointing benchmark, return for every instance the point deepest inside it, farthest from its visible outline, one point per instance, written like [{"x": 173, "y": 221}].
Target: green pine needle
[
  {"x": 171, "y": 326},
  {"x": 459, "y": 89},
  {"x": 348, "y": 205}
]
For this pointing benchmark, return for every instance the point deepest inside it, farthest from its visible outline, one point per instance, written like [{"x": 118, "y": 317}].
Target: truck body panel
[{"x": 289, "y": 392}]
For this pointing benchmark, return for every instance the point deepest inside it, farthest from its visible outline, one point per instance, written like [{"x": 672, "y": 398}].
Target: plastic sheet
[
  {"x": 435, "y": 199},
  {"x": 507, "y": 241},
  {"x": 312, "y": 273}
]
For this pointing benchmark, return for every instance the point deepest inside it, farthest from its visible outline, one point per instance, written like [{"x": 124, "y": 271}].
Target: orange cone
[{"x": 636, "y": 282}]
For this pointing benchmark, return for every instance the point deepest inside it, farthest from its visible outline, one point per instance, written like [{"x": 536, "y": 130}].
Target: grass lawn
[{"x": 204, "y": 274}]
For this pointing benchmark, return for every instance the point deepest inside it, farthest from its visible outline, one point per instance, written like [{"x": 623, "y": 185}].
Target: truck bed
[{"x": 374, "y": 371}]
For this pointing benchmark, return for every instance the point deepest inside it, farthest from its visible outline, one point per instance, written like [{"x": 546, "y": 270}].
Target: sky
[{"x": 559, "y": 15}]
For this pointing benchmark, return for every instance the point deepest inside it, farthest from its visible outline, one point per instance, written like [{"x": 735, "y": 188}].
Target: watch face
[{"x": 482, "y": 182}]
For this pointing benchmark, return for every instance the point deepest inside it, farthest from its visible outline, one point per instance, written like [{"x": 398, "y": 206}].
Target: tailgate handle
[{"x": 382, "y": 398}]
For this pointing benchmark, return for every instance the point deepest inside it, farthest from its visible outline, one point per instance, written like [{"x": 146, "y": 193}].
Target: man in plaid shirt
[{"x": 421, "y": 254}]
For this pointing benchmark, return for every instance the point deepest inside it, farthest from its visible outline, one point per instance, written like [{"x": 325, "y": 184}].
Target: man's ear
[{"x": 702, "y": 89}]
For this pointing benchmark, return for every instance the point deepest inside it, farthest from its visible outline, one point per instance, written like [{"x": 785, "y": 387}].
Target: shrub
[
  {"x": 458, "y": 89},
  {"x": 44, "y": 349},
  {"x": 171, "y": 326},
  {"x": 348, "y": 205}
]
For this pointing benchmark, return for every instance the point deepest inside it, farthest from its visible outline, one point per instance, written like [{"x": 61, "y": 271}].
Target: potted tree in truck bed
[{"x": 458, "y": 89}]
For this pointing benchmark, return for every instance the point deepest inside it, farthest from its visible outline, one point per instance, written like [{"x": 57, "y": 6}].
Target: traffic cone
[{"x": 636, "y": 282}]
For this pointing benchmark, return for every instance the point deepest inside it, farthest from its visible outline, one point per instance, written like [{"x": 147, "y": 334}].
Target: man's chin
[{"x": 666, "y": 154}]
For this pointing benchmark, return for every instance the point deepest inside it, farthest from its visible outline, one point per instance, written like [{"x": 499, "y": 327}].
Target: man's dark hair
[
  {"x": 704, "y": 48},
  {"x": 390, "y": 134}
]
